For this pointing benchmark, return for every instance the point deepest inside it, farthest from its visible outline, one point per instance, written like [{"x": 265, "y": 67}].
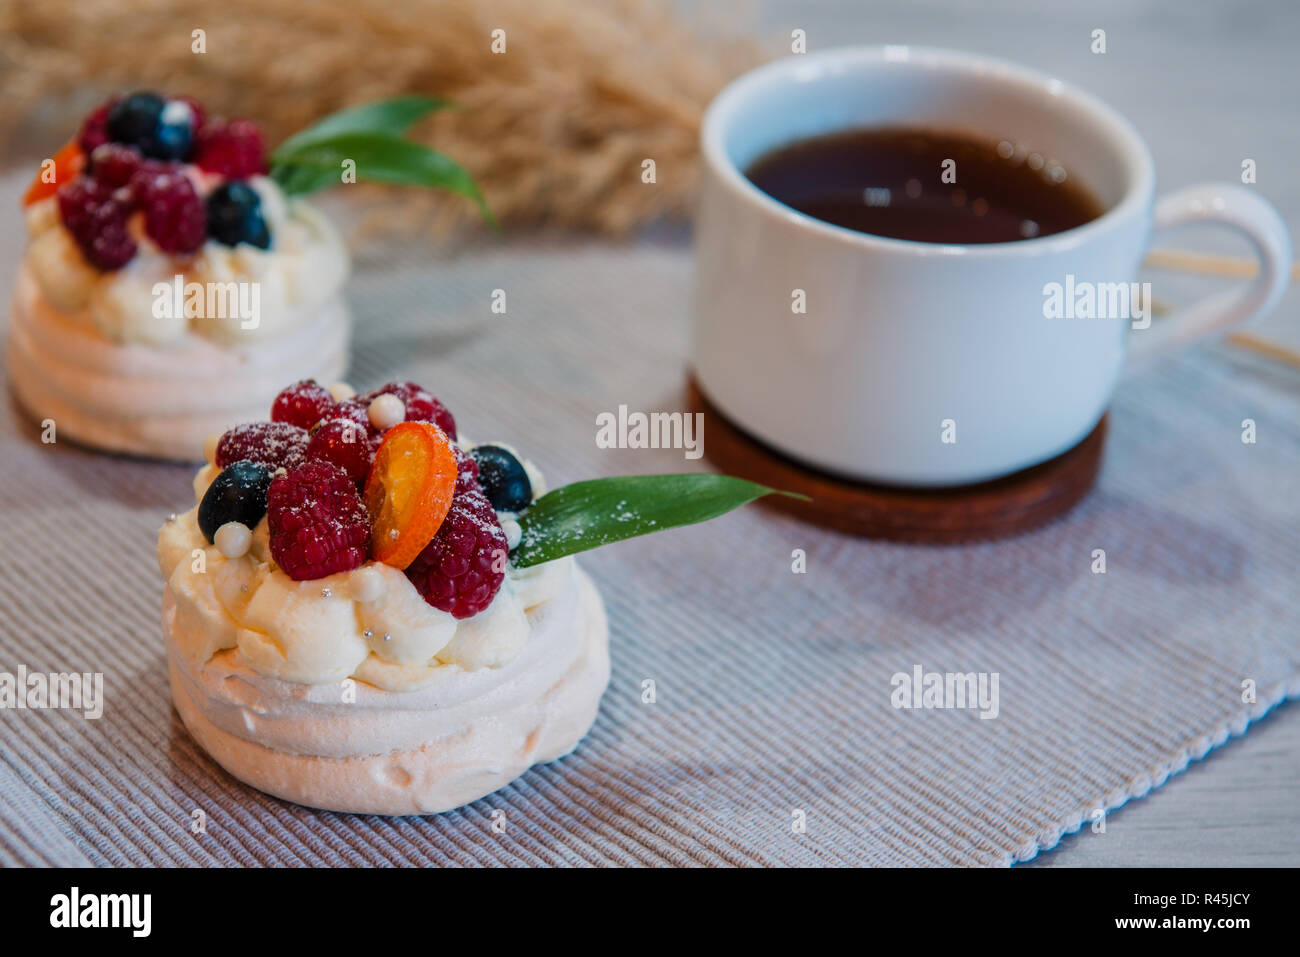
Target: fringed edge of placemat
[{"x": 1157, "y": 775}]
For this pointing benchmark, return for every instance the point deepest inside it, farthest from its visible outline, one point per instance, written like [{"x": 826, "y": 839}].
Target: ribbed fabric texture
[{"x": 772, "y": 688}]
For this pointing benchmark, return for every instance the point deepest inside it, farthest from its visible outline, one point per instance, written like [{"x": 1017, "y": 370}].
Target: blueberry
[
  {"x": 160, "y": 129},
  {"x": 503, "y": 478},
  {"x": 133, "y": 120},
  {"x": 174, "y": 135},
  {"x": 235, "y": 216},
  {"x": 238, "y": 494}
]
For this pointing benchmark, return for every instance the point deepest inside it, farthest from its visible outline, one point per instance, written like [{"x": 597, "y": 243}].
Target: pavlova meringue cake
[
  {"x": 169, "y": 286},
  {"x": 365, "y": 613}
]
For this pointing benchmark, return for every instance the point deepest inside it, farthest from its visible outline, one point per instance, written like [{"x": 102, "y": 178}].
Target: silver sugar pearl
[
  {"x": 367, "y": 634},
  {"x": 387, "y": 637},
  {"x": 325, "y": 593}
]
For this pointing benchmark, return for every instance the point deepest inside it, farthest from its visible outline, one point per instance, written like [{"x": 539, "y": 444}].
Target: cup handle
[{"x": 1230, "y": 205}]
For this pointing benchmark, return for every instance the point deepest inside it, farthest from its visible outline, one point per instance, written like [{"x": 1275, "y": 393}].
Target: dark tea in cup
[{"x": 929, "y": 186}]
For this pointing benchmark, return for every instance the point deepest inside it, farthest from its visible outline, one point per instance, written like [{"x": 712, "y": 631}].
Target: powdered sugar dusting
[{"x": 272, "y": 444}]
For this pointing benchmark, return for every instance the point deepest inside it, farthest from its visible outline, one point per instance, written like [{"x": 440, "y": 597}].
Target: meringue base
[
  {"x": 507, "y": 730},
  {"x": 158, "y": 401}
]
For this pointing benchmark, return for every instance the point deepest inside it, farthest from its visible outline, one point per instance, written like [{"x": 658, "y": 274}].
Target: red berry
[
  {"x": 466, "y": 470},
  {"x": 234, "y": 149},
  {"x": 461, "y": 569},
  {"x": 421, "y": 406},
  {"x": 174, "y": 215},
  {"x": 273, "y": 444},
  {"x": 317, "y": 522},
  {"x": 113, "y": 164},
  {"x": 304, "y": 404},
  {"x": 356, "y": 409},
  {"x": 95, "y": 215},
  {"x": 94, "y": 130},
  {"x": 78, "y": 201},
  {"x": 346, "y": 444}
]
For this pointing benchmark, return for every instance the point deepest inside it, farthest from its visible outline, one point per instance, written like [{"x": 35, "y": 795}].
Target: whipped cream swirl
[
  {"x": 304, "y": 268},
  {"x": 369, "y": 623}
]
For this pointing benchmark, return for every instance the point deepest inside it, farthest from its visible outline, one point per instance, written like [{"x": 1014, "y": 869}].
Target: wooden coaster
[{"x": 990, "y": 510}]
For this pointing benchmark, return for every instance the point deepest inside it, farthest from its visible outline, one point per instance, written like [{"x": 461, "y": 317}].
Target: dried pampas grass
[{"x": 555, "y": 129}]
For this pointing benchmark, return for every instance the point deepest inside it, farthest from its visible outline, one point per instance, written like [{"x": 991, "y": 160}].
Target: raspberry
[
  {"x": 274, "y": 444},
  {"x": 96, "y": 215},
  {"x": 355, "y": 411},
  {"x": 344, "y": 443},
  {"x": 420, "y": 405},
  {"x": 174, "y": 215},
  {"x": 78, "y": 201},
  {"x": 303, "y": 404},
  {"x": 94, "y": 130},
  {"x": 466, "y": 470},
  {"x": 318, "y": 525},
  {"x": 234, "y": 149},
  {"x": 461, "y": 569},
  {"x": 113, "y": 164}
]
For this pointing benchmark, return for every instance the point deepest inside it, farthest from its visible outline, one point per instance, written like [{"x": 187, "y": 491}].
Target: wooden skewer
[
  {"x": 1230, "y": 267},
  {"x": 1265, "y": 347}
]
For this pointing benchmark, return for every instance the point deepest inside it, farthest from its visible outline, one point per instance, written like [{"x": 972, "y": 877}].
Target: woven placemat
[{"x": 773, "y": 685}]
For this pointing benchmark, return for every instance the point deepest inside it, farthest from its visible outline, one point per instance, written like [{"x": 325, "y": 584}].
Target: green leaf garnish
[
  {"x": 371, "y": 136},
  {"x": 585, "y": 515},
  {"x": 381, "y": 158},
  {"x": 300, "y": 180},
  {"x": 385, "y": 117}
]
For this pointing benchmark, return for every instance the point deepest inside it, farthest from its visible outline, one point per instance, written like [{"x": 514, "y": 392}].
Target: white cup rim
[{"x": 1136, "y": 157}]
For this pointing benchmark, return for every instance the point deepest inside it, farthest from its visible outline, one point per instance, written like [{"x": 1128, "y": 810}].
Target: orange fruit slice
[
  {"x": 408, "y": 491},
  {"x": 67, "y": 164}
]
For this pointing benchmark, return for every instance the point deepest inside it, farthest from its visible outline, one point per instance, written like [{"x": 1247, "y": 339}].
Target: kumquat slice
[
  {"x": 408, "y": 491},
  {"x": 67, "y": 164}
]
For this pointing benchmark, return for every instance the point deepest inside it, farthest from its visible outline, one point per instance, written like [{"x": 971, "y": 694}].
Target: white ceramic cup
[{"x": 901, "y": 339}]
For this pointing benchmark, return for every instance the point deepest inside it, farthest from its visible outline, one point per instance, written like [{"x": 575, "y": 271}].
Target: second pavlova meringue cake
[
  {"x": 175, "y": 277},
  {"x": 169, "y": 286}
]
